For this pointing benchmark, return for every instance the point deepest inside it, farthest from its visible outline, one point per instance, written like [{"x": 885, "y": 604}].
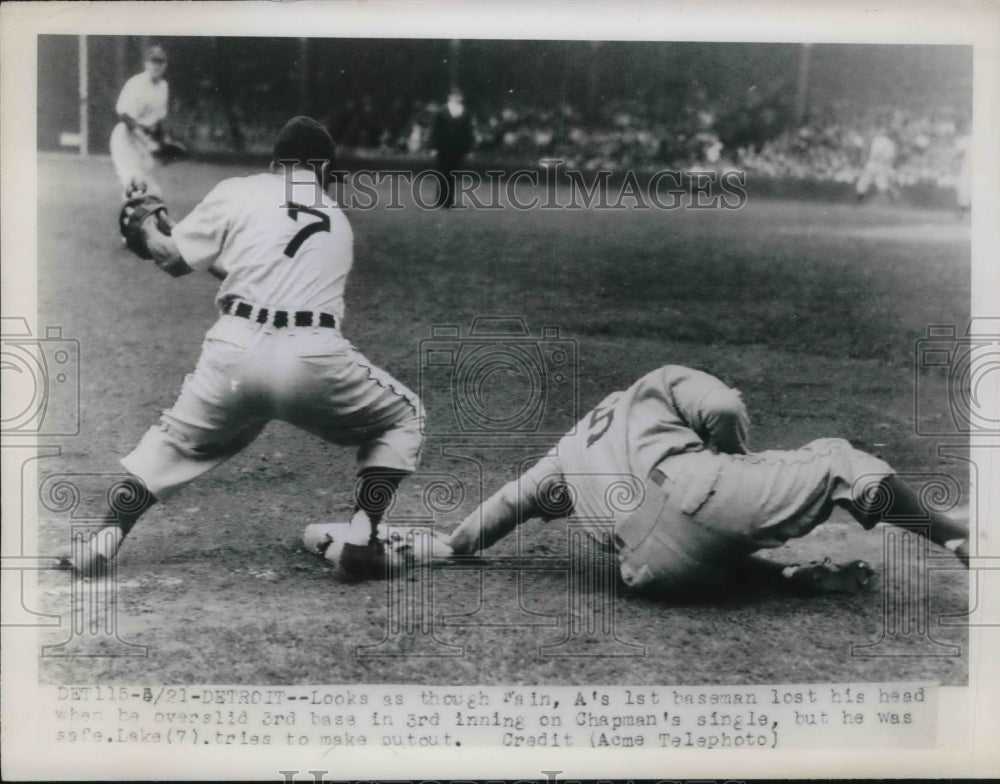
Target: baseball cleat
[
  {"x": 828, "y": 577},
  {"x": 366, "y": 562},
  {"x": 395, "y": 549},
  {"x": 93, "y": 555}
]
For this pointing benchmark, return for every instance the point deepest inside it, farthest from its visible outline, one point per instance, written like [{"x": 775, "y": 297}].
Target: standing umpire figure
[
  {"x": 283, "y": 249},
  {"x": 451, "y": 138}
]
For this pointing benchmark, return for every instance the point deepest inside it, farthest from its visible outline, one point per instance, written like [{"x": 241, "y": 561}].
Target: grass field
[{"x": 812, "y": 310}]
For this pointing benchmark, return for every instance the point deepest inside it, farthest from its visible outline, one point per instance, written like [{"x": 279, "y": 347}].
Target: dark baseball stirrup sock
[
  {"x": 906, "y": 512},
  {"x": 127, "y": 502},
  {"x": 375, "y": 490}
]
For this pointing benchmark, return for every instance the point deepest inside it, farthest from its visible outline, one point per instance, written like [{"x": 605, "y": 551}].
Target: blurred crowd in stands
[
  {"x": 829, "y": 146},
  {"x": 929, "y": 148}
]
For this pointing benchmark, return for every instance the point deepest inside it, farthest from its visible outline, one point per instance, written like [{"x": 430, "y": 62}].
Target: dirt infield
[{"x": 812, "y": 310}]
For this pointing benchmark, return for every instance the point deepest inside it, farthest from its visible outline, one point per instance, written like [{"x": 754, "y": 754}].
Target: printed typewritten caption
[{"x": 755, "y": 717}]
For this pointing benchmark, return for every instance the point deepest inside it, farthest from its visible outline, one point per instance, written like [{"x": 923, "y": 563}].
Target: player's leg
[
  {"x": 344, "y": 399},
  {"x": 133, "y": 164},
  {"x": 893, "y": 502},
  {"x": 127, "y": 501},
  {"x": 885, "y": 182},
  {"x": 446, "y": 182},
  {"x": 452, "y": 186},
  {"x": 123, "y": 158},
  {"x": 771, "y": 497},
  {"x": 963, "y": 188},
  {"x": 864, "y": 183},
  {"x": 210, "y": 422},
  {"x": 715, "y": 509},
  {"x": 383, "y": 462},
  {"x": 442, "y": 186}
]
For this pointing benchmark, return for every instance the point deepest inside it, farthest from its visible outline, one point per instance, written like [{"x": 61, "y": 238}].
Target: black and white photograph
[{"x": 497, "y": 387}]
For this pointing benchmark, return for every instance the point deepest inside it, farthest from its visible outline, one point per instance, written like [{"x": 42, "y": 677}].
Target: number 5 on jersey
[
  {"x": 323, "y": 224},
  {"x": 601, "y": 417}
]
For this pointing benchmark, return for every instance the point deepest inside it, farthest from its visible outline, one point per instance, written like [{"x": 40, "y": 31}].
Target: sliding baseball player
[{"x": 678, "y": 437}]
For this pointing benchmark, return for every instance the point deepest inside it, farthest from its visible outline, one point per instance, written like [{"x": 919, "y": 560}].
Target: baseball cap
[{"x": 303, "y": 139}]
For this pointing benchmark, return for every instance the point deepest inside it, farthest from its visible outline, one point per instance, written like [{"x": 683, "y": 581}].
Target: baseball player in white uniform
[
  {"x": 678, "y": 438},
  {"x": 142, "y": 108},
  {"x": 283, "y": 249},
  {"x": 878, "y": 171},
  {"x": 963, "y": 181}
]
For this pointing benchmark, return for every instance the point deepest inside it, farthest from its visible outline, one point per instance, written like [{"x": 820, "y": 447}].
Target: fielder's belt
[{"x": 278, "y": 318}]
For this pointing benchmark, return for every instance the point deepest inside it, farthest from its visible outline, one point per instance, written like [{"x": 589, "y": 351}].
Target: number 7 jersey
[{"x": 282, "y": 246}]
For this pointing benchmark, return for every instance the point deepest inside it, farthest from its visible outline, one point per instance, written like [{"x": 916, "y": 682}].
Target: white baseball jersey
[
  {"x": 282, "y": 247},
  {"x": 670, "y": 411},
  {"x": 286, "y": 255},
  {"x": 144, "y": 100},
  {"x": 883, "y": 150}
]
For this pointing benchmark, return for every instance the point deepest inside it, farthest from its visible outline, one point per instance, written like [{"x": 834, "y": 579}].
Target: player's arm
[
  {"x": 167, "y": 256},
  {"x": 157, "y": 132},
  {"x": 147, "y": 227},
  {"x": 712, "y": 409},
  {"x": 130, "y": 122},
  {"x": 201, "y": 235},
  {"x": 178, "y": 249},
  {"x": 130, "y": 105},
  {"x": 164, "y": 252},
  {"x": 526, "y": 497}
]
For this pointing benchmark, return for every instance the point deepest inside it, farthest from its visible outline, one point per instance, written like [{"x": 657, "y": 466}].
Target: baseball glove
[
  {"x": 169, "y": 151},
  {"x": 134, "y": 213}
]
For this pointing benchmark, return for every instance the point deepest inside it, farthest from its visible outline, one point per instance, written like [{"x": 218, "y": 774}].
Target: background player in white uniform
[
  {"x": 679, "y": 438},
  {"x": 284, "y": 250},
  {"x": 142, "y": 108},
  {"x": 963, "y": 181},
  {"x": 879, "y": 170}
]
